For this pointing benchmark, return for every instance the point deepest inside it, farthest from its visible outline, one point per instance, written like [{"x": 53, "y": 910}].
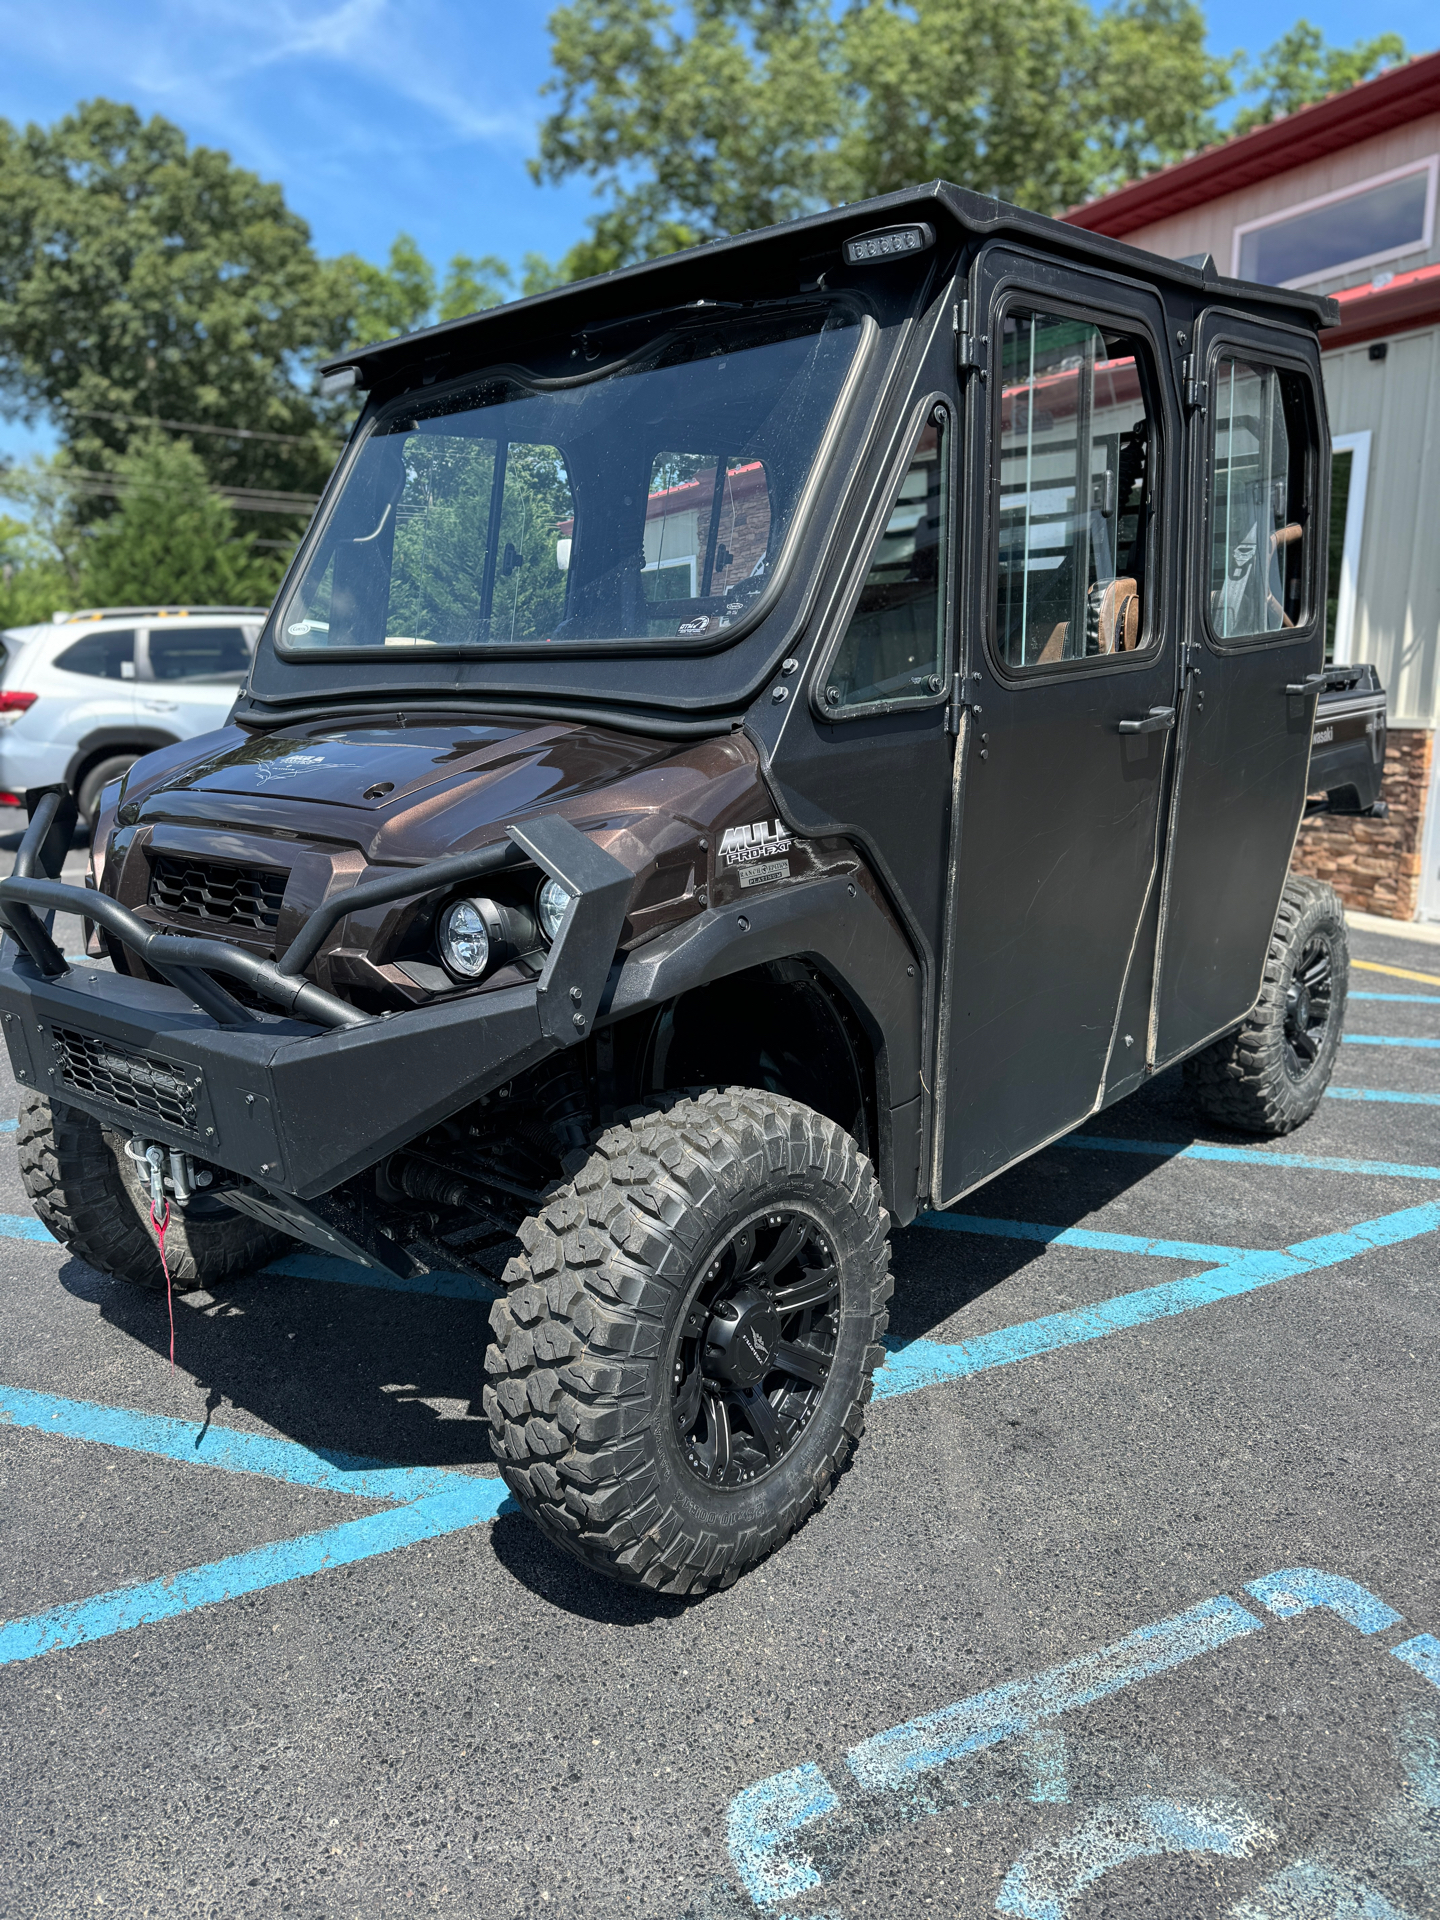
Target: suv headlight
[{"x": 551, "y": 904}]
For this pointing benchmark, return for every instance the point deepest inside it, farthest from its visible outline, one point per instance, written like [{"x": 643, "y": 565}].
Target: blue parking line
[
  {"x": 221, "y": 1447},
  {"x": 1424, "y": 1654},
  {"x": 1080, "y": 1237},
  {"x": 1382, "y": 1094},
  {"x": 468, "y": 1502},
  {"x": 1427, "y": 1000},
  {"x": 1247, "y": 1157},
  {"x": 968, "y": 1727},
  {"x": 916, "y": 1364},
  {"x": 1388, "y": 1040},
  {"x": 24, "y": 1227}
]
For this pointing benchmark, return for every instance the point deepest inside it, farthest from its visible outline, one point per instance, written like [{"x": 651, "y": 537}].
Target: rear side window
[
  {"x": 1259, "y": 539},
  {"x": 198, "y": 653},
  {"x": 894, "y": 648},
  {"x": 1076, "y": 503},
  {"x": 108, "y": 656}
]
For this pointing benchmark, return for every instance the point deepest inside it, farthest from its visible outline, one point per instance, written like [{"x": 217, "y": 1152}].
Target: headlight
[
  {"x": 551, "y": 905},
  {"x": 464, "y": 939}
]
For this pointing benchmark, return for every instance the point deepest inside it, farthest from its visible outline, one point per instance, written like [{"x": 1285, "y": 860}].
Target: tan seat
[{"x": 1118, "y": 627}]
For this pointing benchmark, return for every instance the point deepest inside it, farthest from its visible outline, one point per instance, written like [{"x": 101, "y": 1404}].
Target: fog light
[
  {"x": 551, "y": 906},
  {"x": 464, "y": 939}
]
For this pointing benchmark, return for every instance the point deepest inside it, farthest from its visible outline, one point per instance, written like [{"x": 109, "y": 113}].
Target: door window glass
[
  {"x": 198, "y": 653},
  {"x": 894, "y": 648},
  {"x": 108, "y": 656},
  {"x": 1076, "y": 497},
  {"x": 1258, "y": 537}
]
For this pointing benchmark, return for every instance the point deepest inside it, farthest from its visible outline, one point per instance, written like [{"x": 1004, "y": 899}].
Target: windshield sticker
[
  {"x": 761, "y": 840},
  {"x": 696, "y": 626}
]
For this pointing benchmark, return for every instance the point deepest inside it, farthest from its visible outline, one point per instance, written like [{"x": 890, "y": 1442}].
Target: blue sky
[{"x": 378, "y": 115}]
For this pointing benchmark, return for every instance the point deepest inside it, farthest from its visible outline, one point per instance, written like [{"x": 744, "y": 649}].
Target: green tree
[
  {"x": 171, "y": 539},
  {"x": 1300, "y": 69},
  {"x": 746, "y": 112},
  {"x": 140, "y": 278}
]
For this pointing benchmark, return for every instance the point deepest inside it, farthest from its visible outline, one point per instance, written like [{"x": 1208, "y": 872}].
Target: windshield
[{"x": 649, "y": 503}]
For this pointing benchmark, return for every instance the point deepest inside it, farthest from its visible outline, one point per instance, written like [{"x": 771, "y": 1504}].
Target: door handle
[
  {"x": 1308, "y": 685},
  {"x": 159, "y": 706},
  {"x": 1156, "y": 722}
]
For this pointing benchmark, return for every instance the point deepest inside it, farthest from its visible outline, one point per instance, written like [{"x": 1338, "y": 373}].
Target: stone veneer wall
[{"x": 1375, "y": 865}]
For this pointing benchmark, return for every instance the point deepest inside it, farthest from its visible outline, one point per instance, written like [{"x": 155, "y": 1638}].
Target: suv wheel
[
  {"x": 87, "y": 800},
  {"x": 87, "y": 1191},
  {"x": 1269, "y": 1075},
  {"x": 682, "y": 1362}
]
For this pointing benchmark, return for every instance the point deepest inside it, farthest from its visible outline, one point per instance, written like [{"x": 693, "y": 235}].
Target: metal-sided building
[{"x": 1340, "y": 198}]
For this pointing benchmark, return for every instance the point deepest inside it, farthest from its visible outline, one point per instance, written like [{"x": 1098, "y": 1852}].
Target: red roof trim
[
  {"x": 1368, "y": 311},
  {"x": 1406, "y": 93}
]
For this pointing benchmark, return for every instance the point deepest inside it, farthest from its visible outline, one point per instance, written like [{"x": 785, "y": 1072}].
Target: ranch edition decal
[{"x": 755, "y": 850}]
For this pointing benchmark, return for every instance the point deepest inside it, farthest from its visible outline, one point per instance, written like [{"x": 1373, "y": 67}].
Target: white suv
[{"x": 83, "y": 698}]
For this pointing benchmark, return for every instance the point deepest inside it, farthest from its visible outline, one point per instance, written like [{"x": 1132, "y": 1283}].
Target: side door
[
  {"x": 190, "y": 674},
  {"x": 1070, "y": 682},
  {"x": 1259, "y": 483}
]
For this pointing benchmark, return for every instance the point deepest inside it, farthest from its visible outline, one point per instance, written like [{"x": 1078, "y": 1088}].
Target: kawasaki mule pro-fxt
[{"x": 750, "y": 748}]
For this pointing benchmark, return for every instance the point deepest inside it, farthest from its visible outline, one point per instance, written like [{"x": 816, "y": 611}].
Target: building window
[{"x": 1358, "y": 226}]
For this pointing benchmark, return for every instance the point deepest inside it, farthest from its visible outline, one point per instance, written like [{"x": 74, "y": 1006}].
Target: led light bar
[{"x": 887, "y": 242}]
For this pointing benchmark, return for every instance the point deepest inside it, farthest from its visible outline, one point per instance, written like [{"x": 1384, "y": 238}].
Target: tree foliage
[
  {"x": 746, "y": 112},
  {"x": 1301, "y": 69}
]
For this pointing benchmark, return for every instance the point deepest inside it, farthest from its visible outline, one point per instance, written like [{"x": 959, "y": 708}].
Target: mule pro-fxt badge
[{"x": 759, "y": 850}]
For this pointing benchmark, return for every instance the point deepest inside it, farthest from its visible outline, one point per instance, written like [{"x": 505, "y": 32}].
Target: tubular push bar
[{"x": 188, "y": 963}]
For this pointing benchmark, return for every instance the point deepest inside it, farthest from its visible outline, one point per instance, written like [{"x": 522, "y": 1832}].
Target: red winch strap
[{"x": 160, "y": 1224}]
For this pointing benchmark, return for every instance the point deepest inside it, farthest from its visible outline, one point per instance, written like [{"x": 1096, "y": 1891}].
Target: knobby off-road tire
[
  {"x": 85, "y": 1191},
  {"x": 665, "y": 1263},
  {"x": 1270, "y": 1074}
]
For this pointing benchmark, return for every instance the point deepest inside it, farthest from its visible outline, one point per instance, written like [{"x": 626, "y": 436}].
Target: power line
[
  {"x": 195, "y": 427},
  {"x": 245, "y": 500}
]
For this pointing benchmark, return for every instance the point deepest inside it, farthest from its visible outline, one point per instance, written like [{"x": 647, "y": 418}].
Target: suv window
[
  {"x": 1075, "y": 505},
  {"x": 1258, "y": 473},
  {"x": 894, "y": 648},
  {"x": 198, "y": 653},
  {"x": 105, "y": 656}
]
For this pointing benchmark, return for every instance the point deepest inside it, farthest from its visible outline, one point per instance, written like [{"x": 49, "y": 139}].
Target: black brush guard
[{"x": 299, "y": 1100}]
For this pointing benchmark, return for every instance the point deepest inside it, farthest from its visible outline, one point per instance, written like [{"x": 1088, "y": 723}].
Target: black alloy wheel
[
  {"x": 1308, "y": 1007},
  {"x": 755, "y": 1347},
  {"x": 683, "y": 1358},
  {"x": 1269, "y": 1074}
]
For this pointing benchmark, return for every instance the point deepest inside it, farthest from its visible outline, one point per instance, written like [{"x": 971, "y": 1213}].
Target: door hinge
[
  {"x": 1193, "y": 389},
  {"x": 959, "y": 705},
  {"x": 970, "y": 347}
]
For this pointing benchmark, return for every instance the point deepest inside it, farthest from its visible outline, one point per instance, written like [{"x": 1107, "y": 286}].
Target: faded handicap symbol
[{"x": 789, "y": 1834}]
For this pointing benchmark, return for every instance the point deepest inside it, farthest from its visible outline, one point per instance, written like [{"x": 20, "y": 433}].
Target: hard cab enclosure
[{"x": 866, "y": 669}]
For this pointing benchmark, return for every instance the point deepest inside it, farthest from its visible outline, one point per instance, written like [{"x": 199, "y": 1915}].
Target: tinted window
[
  {"x": 1258, "y": 535},
  {"x": 198, "y": 653},
  {"x": 1076, "y": 506},
  {"x": 894, "y": 648},
  {"x": 1388, "y": 219},
  {"x": 105, "y": 656}
]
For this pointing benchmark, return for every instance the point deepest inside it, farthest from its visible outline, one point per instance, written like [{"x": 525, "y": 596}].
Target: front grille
[
  {"x": 213, "y": 890},
  {"x": 138, "y": 1083}
]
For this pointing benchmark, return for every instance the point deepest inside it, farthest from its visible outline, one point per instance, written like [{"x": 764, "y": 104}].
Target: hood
[{"x": 428, "y": 778}]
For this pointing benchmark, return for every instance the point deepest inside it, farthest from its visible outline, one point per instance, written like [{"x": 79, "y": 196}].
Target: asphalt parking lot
[{"x": 1127, "y": 1607}]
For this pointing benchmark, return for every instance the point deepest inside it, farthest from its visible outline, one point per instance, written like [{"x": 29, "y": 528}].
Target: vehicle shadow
[{"x": 349, "y": 1370}]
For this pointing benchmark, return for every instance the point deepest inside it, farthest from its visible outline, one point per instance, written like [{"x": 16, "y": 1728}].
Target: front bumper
[{"x": 285, "y": 1104}]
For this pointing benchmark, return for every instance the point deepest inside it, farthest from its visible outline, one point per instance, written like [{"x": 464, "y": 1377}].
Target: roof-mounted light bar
[{"x": 887, "y": 243}]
